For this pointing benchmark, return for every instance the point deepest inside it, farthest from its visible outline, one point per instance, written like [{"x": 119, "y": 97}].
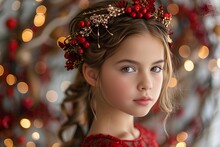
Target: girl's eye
[
  {"x": 156, "y": 69},
  {"x": 128, "y": 69}
]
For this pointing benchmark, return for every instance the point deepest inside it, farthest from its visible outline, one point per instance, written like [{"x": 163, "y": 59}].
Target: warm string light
[
  {"x": 181, "y": 144},
  {"x": 22, "y": 87},
  {"x": 30, "y": 144},
  {"x": 212, "y": 65},
  {"x": 27, "y": 35},
  {"x": 38, "y": 123},
  {"x": 39, "y": 0},
  {"x": 11, "y": 79},
  {"x": 52, "y": 96},
  {"x": 16, "y": 5},
  {"x": 8, "y": 142},
  {"x": 172, "y": 82},
  {"x": 181, "y": 138},
  {"x": 56, "y": 145},
  {"x": 173, "y": 8},
  {"x": 184, "y": 51},
  {"x": 25, "y": 123},
  {"x": 218, "y": 62},
  {"x": 35, "y": 136},
  {"x": 203, "y": 52},
  {"x": 40, "y": 17},
  {"x": 1, "y": 70},
  {"x": 188, "y": 65},
  {"x": 64, "y": 85}
]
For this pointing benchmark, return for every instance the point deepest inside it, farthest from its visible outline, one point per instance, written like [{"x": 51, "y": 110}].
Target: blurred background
[{"x": 33, "y": 78}]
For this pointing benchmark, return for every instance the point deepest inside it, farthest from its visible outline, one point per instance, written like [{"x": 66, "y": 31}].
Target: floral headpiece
[{"x": 76, "y": 44}]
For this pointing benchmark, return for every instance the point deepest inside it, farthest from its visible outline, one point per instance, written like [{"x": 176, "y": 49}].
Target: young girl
[{"x": 121, "y": 50}]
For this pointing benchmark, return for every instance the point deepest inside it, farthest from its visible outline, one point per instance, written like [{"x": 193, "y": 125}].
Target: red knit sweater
[{"x": 146, "y": 139}]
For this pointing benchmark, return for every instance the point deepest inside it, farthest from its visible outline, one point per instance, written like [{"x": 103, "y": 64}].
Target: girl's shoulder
[{"x": 146, "y": 139}]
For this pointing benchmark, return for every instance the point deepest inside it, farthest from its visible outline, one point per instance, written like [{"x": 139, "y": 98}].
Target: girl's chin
[{"x": 140, "y": 114}]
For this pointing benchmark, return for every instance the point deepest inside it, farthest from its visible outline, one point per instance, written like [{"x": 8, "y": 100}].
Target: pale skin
[{"x": 133, "y": 72}]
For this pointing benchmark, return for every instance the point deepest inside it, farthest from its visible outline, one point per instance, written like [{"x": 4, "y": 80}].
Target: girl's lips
[{"x": 143, "y": 100}]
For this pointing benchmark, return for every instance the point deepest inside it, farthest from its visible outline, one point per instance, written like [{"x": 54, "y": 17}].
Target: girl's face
[{"x": 131, "y": 79}]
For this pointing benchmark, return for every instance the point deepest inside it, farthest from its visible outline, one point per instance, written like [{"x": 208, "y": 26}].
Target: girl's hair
[{"x": 79, "y": 94}]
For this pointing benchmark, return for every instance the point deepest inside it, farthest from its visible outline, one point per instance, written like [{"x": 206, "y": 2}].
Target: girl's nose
[{"x": 145, "y": 81}]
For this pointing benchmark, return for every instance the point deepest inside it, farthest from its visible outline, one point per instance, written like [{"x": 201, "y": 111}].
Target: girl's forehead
[{"x": 140, "y": 47}]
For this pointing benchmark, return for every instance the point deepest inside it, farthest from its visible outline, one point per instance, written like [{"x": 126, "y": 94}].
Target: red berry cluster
[
  {"x": 74, "y": 47},
  {"x": 138, "y": 10}
]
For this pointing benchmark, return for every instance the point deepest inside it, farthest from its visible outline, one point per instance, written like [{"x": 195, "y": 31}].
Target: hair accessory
[{"x": 76, "y": 43}]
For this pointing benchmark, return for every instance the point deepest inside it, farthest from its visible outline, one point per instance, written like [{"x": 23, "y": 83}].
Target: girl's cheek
[{"x": 121, "y": 86}]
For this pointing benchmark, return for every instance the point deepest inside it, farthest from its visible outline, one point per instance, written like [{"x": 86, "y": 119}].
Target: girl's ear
[{"x": 90, "y": 74}]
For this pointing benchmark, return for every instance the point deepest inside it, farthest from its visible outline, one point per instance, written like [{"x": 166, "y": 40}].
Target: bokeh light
[
  {"x": 30, "y": 144},
  {"x": 41, "y": 9},
  {"x": 1, "y": 70},
  {"x": 218, "y": 63},
  {"x": 39, "y": 0},
  {"x": 188, "y": 65},
  {"x": 172, "y": 82},
  {"x": 35, "y": 136},
  {"x": 16, "y": 5},
  {"x": 56, "y": 145},
  {"x": 181, "y": 144},
  {"x": 182, "y": 136},
  {"x": 84, "y": 4},
  {"x": 22, "y": 87},
  {"x": 11, "y": 79},
  {"x": 27, "y": 35},
  {"x": 25, "y": 123},
  {"x": 38, "y": 123},
  {"x": 39, "y": 20},
  {"x": 64, "y": 85},
  {"x": 52, "y": 96},
  {"x": 184, "y": 51},
  {"x": 173, "y": 8},
  {"x": 212, "y": 65},
  {"x": 203, "y": 52},
  {"x": 40, "y": 67},
  {"x": 8, "y": 142}
]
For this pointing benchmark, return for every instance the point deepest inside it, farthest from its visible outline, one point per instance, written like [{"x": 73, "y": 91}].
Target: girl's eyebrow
[
  {"x": 137, "y": 63},
  {"x": 157, "y": 62}
]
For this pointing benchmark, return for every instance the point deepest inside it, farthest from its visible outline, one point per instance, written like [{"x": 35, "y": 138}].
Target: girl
[{"x": 121, "y": 50}]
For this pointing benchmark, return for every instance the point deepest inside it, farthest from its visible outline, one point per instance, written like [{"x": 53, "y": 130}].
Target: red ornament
[
  {"x": 67, "y": 55},
  {"x": 133, "y": 14},
  {"x": 73, "y": 42},
  {"x": 88, "y": 23},
  {"x": 69, "y": 65},
  {"x": 86, "y": 45},
  {"x": 167, "y": 15},
  {"x": 21, "y": 140},
  {"x": 128, "y": 10},
  {"x": 27, "y": 103},
  {"x": 12, "y": 46},
  {"x": 143, "y": 10},
  {"x": 136, "y": 2},
  {"x": 6, "y": 121},
  {"x": 82, "y": 24},
  {"x": 81, "y": 39},
  {"x": 11, "y": 23},
  {"x": 140, "y": 15},
  {"x": 147, "y": 15},
  {"x": 137, "y": 8},
  {"x": 80, "y": 51}
]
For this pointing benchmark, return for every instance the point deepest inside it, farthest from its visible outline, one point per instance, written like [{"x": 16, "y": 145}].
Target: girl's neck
[{"x": 114, "y": 123}]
